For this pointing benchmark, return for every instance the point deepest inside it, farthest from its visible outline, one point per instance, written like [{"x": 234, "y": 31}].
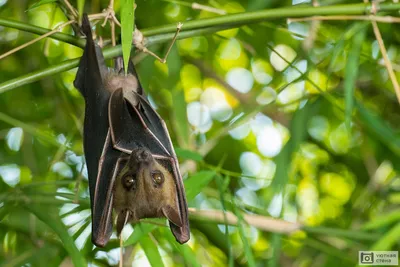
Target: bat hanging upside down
[{"x": 131, "y": 162}]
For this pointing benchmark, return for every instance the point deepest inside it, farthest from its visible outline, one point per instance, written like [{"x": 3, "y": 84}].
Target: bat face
[
  {"x": 145, "y": 189},
  {"x": 131, "y": 162}
]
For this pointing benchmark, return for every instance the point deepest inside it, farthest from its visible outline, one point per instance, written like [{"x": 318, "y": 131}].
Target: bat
[{"x": 132, "y": 166}]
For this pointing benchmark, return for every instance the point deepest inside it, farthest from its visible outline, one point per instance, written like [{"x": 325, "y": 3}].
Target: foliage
[{"x": 270, "y": 115}]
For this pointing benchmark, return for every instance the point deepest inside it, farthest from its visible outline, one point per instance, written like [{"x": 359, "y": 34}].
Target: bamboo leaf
[
  {"x": 351, "y": 74},
  {"x": 185, "y": 250},
  {"x": 51, "y": 218},
  {"x": 246, "y": 246},
  {"x": 127, "y": 23},
  {"x": 195, "y": 183},
  {"x": 140, "y": 230},
  {"x": 343, "y": 233},
  {"x": 388, "y": 240},
  {"x": 188, "y": 154},
  {"x": 40, "y": 3},
  {"x": 382, "y": 221},
  {"x": 43, "y": 135},
  {"x": 222, "y": 186},
  {"x": 379, "y": 128},
  {"x": 151, "y": 251}
]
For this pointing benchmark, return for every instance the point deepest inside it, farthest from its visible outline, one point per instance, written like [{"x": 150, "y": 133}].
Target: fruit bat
[{"x": 131, "y": 162}]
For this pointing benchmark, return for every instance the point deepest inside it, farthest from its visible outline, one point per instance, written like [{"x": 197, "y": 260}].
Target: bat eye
[
  {"x": 158, "y": 177},
  {"x": 128, "y": 181}
]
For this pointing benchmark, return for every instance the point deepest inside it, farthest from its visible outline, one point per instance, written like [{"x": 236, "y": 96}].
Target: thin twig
[
  {"x": 383, "y": 19},
  {"x": 386, "y": 59},
  {"x": 388, "y": 64},
  {"x": 57, "y": 29},
  {"x": 260, "y": 222},
  {"x": 71, "y": 9},
  {"x": 208, "y": 9},
  {"x": 310, "y": 39},
  {"x": 121, "y": 252},
  {"x": 111, "y": 6}
]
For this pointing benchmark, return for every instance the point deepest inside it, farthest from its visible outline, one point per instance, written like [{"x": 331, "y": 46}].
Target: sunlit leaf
[
  {"x": 185, "y": 250},
  {"x": 388, "y": 239},
  {"x": 127, "y": 26},
  {"x": 151, "y": 251},
  {"x": 246, "y": 245},
  {"x": 379, "y": 128},
  {"x": 195, "y": 183},
  {"x": 188, "y": 154},
  {"x": 352, "y": 72},
  {"x": 140, "y": 230},
  {"x": 39, "y": 3},
  {"x": 50, "y": 217},
  {"x": 382, "y": 221}
]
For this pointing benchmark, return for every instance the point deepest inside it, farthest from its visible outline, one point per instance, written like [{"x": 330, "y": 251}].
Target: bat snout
[{"x": 142, "y": 155}]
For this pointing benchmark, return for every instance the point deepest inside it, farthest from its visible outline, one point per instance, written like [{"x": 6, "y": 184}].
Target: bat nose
[{"x": 142, "y": 155}]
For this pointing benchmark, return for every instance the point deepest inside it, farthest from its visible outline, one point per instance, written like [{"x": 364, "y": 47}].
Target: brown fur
[
  {"x": 146, "y": 199},
  {"x": 115, "y": 81}
]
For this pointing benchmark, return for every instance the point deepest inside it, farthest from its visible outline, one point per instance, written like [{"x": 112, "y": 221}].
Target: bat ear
[{"x": 172, "y": 215}]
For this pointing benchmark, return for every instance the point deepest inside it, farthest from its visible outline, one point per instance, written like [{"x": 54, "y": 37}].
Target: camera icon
[{"x": 366, "y": 257}]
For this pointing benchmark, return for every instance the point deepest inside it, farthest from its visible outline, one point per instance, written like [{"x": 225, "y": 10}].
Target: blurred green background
[{"x": 292, "y": 120}]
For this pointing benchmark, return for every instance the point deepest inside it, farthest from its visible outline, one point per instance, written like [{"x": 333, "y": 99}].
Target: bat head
[{"x": 145, "y": 189}]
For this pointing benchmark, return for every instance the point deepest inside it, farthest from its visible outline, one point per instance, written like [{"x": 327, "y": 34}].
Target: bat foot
[{"x": 140, "y": 43}]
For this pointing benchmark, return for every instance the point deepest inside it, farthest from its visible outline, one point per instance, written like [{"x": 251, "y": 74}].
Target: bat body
[{"x": 131, "y": 162}]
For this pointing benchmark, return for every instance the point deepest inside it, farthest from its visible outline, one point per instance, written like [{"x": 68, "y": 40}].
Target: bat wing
[
  {"x": 111, "y": 163},
  {"x": 136, "y": 124},
  {"x": 100, "y": 157},
  {"x": 129, "y": 129},
  {"x": 182, "y": 234}
]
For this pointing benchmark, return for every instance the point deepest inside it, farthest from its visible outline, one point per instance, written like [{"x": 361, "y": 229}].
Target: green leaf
[
  {"x": 51, "y": 218},
  {"x": 336, "y": 52},
  {"x": 195, "y": 183},
  {"x": 328, "y": 249},
  {"x": 351, "y": 73},
  {"x": 151, "y": 251},
  {"x": 127, "y": 23},
  {"x": 382, "y": 221},
  {"x": 185, "y": 250},
  {"x": 40, "y": 3},
  {"x": 140, "y": 230},
  {"x": 35, "y": 131},
  {"x": 246, "y": 246},
  {"x": 222, "y": 186},
  {"x": 378, "y": 127},
  {"x": 341, "y": 233},
  {"x": 276, "y": 242},
  {"x": 188, "y": 154},
  {"x": 388, "y": 240}
]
